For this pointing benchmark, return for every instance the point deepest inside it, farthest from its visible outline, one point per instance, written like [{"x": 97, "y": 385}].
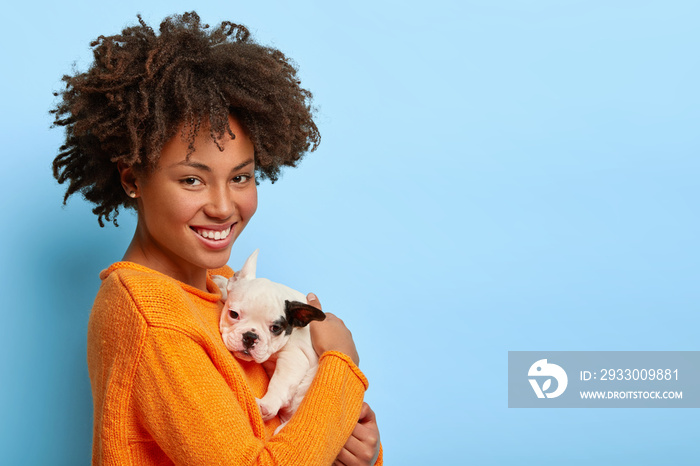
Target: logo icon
[{"x": 543, "y": 369}]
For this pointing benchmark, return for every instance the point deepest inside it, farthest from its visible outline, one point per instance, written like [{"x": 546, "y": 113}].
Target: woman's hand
[
  {"x": 331, "y": 334},
  {"x": 362, "y": 448}
]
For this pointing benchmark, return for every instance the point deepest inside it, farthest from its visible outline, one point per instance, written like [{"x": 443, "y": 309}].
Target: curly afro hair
[{"x": 142, "y": 87}]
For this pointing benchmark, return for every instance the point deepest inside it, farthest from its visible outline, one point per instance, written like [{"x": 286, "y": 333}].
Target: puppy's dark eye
[
  {"x": 275, "y": 329},
  {"x": 233, "y": 314}
]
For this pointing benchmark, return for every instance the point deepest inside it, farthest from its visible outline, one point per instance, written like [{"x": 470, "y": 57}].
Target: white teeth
[{"x": 215, "y": 235}]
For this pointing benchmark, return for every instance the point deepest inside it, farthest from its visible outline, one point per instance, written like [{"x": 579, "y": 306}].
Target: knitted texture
[{"x": 167, "y": 391}]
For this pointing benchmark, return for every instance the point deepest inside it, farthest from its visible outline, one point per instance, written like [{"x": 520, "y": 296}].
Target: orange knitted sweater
[{"x": 167, "y": 391}]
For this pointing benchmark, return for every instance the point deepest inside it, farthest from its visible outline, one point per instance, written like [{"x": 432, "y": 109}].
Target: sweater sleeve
[{"x": 196, "y": 418}]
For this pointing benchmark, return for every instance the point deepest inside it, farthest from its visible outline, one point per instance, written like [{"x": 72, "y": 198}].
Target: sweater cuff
[{"x": 353, "y": 367}]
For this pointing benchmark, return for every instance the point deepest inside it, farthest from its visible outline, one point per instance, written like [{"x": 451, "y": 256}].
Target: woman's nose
[{"x": 221, "y": 204}]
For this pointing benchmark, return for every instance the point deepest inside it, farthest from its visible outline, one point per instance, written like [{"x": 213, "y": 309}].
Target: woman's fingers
[
  {"x": 312, "y": 299},
  {"x": 362, "y": 448}
]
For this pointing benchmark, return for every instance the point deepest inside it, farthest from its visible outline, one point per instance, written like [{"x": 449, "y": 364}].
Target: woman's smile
[{"x": 215, "y": 237}]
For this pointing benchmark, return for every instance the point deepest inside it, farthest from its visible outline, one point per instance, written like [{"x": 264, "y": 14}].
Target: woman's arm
[{"x": 197, "y": 418}]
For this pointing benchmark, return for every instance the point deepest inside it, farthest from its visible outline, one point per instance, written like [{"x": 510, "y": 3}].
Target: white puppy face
[{"x": 259, "y": 315}]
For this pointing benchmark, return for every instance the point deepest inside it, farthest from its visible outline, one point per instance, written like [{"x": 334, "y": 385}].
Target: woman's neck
[{"x": 148, "y": 257}]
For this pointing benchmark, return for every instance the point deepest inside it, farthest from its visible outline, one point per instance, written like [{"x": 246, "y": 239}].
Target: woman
[{"x": 176, "y": 125}]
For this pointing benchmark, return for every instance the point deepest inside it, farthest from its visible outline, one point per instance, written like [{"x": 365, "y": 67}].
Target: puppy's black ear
[{"x": 300, "y": 314}]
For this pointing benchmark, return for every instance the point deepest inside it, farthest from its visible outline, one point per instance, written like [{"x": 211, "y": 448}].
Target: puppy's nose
[{"x": 249, "y": 339}]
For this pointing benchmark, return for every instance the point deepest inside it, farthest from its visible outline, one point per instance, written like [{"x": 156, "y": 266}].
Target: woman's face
[{"x": 192, "y": 210}]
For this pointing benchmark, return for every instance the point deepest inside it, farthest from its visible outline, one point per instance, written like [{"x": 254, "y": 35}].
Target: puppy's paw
[{"x": 268, "y": 408}]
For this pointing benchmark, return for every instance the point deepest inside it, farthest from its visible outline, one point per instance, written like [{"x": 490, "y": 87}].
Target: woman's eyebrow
[
  {"x": 241, "y": 165},
  {"x": 197, "y": 165},
  {"x": 206, "y": 168}
]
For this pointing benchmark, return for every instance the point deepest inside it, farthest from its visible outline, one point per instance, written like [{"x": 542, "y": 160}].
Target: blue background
[{"x": 493, "y": 176}]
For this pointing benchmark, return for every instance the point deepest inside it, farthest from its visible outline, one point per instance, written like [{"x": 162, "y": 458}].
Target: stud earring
[{"x": 132, "y": 194}]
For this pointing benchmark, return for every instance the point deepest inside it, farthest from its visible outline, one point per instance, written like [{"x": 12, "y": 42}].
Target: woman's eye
[
  {"x": 191, "y": 181},
  {"x": 233, "y": 314},
  {"x": 239, "y": 179}
]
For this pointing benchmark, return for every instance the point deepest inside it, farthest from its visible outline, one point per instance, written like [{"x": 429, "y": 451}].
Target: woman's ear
[{"x": 128, "y": 179}]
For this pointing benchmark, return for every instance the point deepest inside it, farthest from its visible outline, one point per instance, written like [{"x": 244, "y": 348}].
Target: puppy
[{"x": 266, "y": 322}]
